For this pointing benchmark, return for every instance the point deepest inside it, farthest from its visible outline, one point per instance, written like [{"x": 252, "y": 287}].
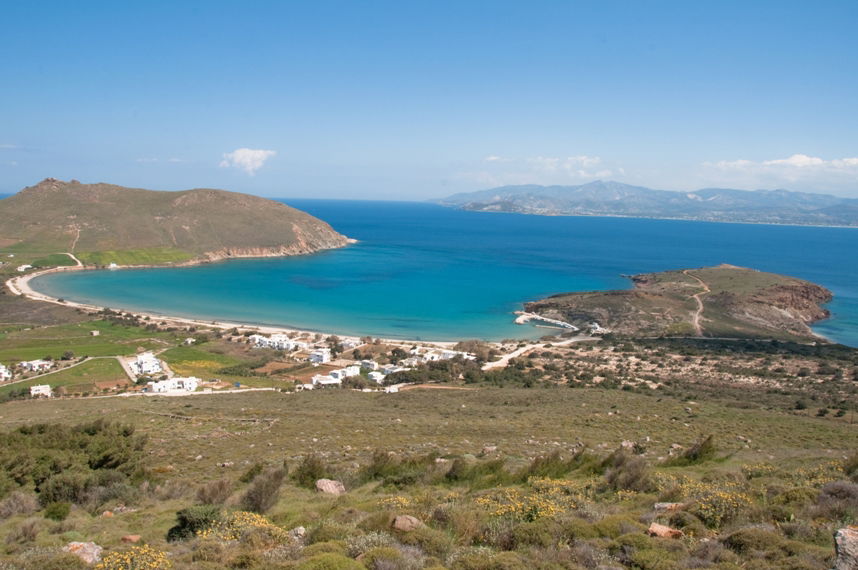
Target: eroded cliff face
[
  {"x": 791, "y": 307},
  {"x": 305, "y": 242}
]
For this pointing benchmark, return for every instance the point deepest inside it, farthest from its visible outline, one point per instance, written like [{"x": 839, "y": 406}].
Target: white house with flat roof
[
  {"x": 320, "y": 356},
  {"x": 5, "y": 373},
  {"x": 146, "y": 363},
  {"x": 328, "y": 380},
  {"x": 176, "y": 384},
  {"x": 376, "y": 377},
  {"x": 41, "y": 391},
  {"x": 36, "y": 365}
]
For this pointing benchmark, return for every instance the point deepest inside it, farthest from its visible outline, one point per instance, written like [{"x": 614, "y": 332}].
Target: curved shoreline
[{"x": 20, "y": 285}]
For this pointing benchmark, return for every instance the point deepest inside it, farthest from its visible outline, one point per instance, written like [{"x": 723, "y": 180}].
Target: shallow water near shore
[{"x": 422, "y": 271}]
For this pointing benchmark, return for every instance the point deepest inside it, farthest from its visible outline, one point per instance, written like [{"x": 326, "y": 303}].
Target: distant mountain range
[{"x": 607, "y": 198}]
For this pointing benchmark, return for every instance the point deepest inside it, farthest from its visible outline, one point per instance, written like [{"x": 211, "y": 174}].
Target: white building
[
  {"x": 376, "y": 377},
  {"x": 320, "y": 356},
  {"x": 94, "y": 333},
  {"x": 350, "y": 343},
  {"x": 5, "y": 373},
  {"x": 277, "y": 342},
  {"x": 369, "y": 364},
  {"x": 329, "y": 380},
  {"x": 24, "y": 267},
  {"x": 146, "y": 363},
  {"x": 353, "y": 370},
  {"x": 189, "y": 341},
  {"x": 41, "y": 391},
  {"x": 36, "y": 365},
  {"x": 175, "y": 384}
]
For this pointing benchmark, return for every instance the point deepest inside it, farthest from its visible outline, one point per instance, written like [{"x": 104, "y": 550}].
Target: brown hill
[
  {"x": 723, "y": 301},
  {"x": 102, "y": 223}
]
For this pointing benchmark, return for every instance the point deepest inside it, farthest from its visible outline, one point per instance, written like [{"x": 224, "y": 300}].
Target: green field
[
  {"x": 113, "y": 340},
  {"x": 147, "y": 256},
  {"x": 53, "y": 260},
  {"x": 80, "y": 378}
]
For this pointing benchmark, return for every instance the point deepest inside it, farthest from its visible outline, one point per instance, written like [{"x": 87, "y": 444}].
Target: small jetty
[{"x": 524, "y": 317}]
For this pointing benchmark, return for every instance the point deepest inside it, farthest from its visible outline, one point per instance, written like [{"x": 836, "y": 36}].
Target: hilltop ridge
[
  {"x": 609, "y": 198},
  {"x": 104, "y": 223}
]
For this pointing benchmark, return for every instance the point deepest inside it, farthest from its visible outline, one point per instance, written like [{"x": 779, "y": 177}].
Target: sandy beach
[{"x": 20, "y": 285}]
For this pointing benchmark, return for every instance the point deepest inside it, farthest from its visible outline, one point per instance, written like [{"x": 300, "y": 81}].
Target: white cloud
[
  {"x": 498, "y": 171},
  {"x": 8, "y": 146},
  {"x": 799, "y": 171},
  {"x": 146, "y": 160},
  {"x": 248, "y": 159}
]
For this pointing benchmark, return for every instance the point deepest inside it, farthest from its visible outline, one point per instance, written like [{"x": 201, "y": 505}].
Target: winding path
[{"x": 695, "y": 319}]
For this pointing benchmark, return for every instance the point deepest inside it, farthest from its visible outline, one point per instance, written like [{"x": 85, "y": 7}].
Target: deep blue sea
[{"x": 421, "y": 271}]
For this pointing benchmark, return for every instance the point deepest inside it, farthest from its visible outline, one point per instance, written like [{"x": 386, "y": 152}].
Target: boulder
[
  {"x": 662, "y": 531},
  {"x": 846, "y": 547},
  {"x": 89, "y": 552},
  {"x": 297, "y": 533},
  {"x": 489, "y": 449},
  {"x": 406, "y": 523},
  {"x": 670, "y": 507},
  {"x": 330, "y": 487},
  {"x": 131, "y": 538}
]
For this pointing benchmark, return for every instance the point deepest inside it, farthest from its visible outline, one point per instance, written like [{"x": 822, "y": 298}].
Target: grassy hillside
[
  {"x": 104, "y": 223},
  {"x": 723, "y": 301}
]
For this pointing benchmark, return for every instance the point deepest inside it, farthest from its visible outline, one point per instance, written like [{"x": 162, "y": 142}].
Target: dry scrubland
[{"x": 501, "y": 478}]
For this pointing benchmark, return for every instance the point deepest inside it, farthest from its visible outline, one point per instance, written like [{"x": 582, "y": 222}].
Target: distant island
[
  {"x": 607, "y": 198},
  {"x": 723, "y": 301},
  {"x": 103, "y": 224}
]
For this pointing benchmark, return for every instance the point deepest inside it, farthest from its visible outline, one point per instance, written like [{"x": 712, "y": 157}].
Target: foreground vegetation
[{"x": 495, "y": 478}]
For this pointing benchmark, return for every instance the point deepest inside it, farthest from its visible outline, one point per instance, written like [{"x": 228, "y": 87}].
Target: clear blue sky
[{"x": 408, "y": 99}]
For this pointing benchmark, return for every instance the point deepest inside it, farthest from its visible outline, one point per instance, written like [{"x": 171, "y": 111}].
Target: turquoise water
[{"x": 421, "y": 271}]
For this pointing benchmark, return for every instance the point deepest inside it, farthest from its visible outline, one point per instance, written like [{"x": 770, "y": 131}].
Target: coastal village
[{"x": 311, "y": 363}]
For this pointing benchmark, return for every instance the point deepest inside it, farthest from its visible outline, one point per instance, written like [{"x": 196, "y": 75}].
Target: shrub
[
  {"x": 717, "y": 507},
  {"x": 329, "y": 562},
  {"x": 328, "y": 547},
  {"x": 357, "y": 545},
  {"x": 192, "y": 520},
  {"x": 214, "y": 493},
  {"x": 136, "y": 558},
  {"x": 24, "y": 532},
  {"x": 263, "y": 491},
  {"x": 748, "y": 540},
  {"x": 57, "y": 511},
  {"x": 627, "y": 472},
  {"x": 18, "y": 503},
  {"x": 701, "y": 451},
  {"x": 838, "y": 501},
  {"x": 329, "y": 530},
  {"x": 850, "y": 467},
  {"x": 208, "y": 551},
  {"x": 252, "y": 472},
  {"x": 432, "y": 542},
  {"x": 383, "y": 558},
  {"x": 310, "y": 470},
  {"x": 68, "y": 487}
]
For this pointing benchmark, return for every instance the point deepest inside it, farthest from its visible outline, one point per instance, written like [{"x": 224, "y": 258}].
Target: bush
[
  {"x": 357, "y": 545},
  {"x": 627, "y": 472},
  {"x": 850, "y": 467},
  {"x": 432, "y": 542},
  {"x": 252, "y": 472},
  {"x": 192, "y": 520},
  {"x": 18, "y": 503},
  {"x": 25, "y": 532},
  {"x": 329, "y": 562},
  {"x": 68, "y": 487},
  {"x": 838, "y": 501},
  {"x": 214, "y": 493},
  {"x": 718, "y": 507},
  {"x": 57, "y": 511},
  {"x": 310, "y": 470},
  {"x": 134, "y": 558},
  {"x": 383, "y": 558},
  {"x": 263, "y": 491}
]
